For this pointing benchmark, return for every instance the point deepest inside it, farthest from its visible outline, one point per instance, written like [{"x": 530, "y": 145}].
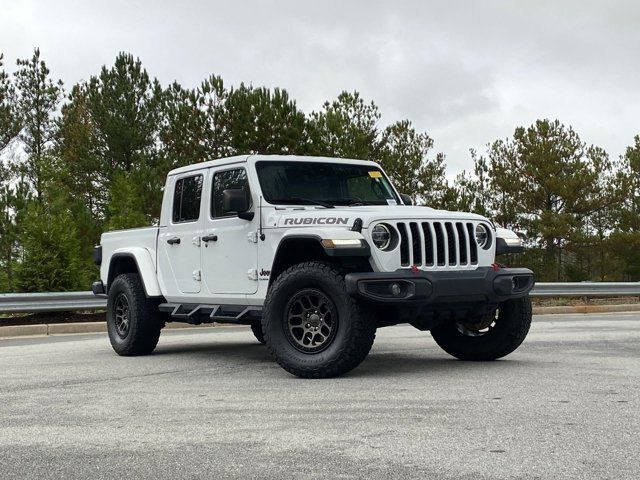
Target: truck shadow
[
  {"x": 429, "y": 361},
  {"x": 377, "y": 364}
]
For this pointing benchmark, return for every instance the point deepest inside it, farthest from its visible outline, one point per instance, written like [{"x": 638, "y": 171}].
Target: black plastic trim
[
  {"x": 482, "y": 285},
  {"x": 97, "y": 255},
  {"x": 502, "y": 248},
  {"x": 363, "y": 251},
  {"x": 98, "y": 288},
  {"x": 207, "y": 313}
]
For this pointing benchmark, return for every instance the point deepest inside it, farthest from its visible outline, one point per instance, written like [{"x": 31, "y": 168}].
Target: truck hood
[{"x": 345, "y": 216}]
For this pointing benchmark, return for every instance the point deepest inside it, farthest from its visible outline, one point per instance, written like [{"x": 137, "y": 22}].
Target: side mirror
[
  {"x": 235, "y": 200},
  {"x": 406, "y": 199}
]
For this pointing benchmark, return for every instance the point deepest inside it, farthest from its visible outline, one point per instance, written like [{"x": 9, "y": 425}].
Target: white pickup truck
[{"x": 315, "y": 254}]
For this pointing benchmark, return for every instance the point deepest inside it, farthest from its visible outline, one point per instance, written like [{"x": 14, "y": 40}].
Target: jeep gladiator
[{"x": 314, "y": 254}]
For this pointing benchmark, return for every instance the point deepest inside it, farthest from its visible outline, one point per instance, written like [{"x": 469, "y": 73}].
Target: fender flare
[
  {"x": 300, "y": 234},
  {"x": 145, "y": 266}
]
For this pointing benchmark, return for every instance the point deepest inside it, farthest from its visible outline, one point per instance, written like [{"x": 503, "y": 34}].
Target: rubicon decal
[{"x": 317, "y": 221}]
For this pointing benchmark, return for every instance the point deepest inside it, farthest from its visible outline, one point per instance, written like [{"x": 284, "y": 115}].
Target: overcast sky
[{"x": 466, "y": 72}]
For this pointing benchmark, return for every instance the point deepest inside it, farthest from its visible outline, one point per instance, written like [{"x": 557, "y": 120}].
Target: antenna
[{"x": 261, "y": 235}]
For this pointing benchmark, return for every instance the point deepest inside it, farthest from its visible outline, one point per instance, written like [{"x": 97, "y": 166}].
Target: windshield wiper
[
  {"x": 303, "y": 200},
  {"x": 353, "y": 201}
]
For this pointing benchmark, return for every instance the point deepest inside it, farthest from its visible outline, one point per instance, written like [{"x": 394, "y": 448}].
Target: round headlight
[
  {"x": 381, "y": 236},
  {"x": 482, "y": 236}
]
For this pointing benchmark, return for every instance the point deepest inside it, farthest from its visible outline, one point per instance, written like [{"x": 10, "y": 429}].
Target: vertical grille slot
[
  {"x": 437, "y": 244},
  {"x": 440, "y": 243},
  {"x": 472, "y": 243},
  {"x": 416, "y": 243},
  {"x": 429, "y": 246},
  {"x": 404, "y": 244},
  {"x": 463, "y": 242},
  {"x": 451, "y": 243}
]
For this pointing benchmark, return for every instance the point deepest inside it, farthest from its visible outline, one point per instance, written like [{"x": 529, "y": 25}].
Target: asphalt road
[{"x": 210, "y": 403}]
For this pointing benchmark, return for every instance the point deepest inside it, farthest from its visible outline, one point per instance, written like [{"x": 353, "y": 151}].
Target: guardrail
[
  {"x": 72, "y": 301},
  {"x": 50, "y": 302},
  {"x": 586, "y": 289}
]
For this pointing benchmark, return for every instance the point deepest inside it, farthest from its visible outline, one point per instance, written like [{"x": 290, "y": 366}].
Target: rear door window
[{"x": 186, "y": 199}]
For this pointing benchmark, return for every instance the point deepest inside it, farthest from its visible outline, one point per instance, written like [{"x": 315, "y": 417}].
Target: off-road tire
[
  {"x": 145, "y": 321},
  {"x": 256, "y": 328},
  {"x": 354, "y": 334},
  {"x": 511, "y": 328}
]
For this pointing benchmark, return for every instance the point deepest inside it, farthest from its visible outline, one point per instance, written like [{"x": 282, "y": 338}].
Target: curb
[
  {"x": 101, "y": 327},
  {"x": 75, "y": 328},
  {"x": 632, "y": 307}
]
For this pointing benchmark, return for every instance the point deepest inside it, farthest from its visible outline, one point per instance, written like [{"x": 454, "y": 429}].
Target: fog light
[{"x": 395, "y": 289}]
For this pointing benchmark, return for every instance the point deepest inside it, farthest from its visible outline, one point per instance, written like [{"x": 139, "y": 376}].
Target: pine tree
[
  {"x": 51, "y": 258},
  {"x": 125, "y": 111},
  {"x": 9, "y": 118},
  {"x": 625, "y": 239},
  {"x": 190, "y": 129},
  {"x": 403, "y": 155},
  {"x": 345, "y": 128},
  {"x": 547, "y": 182},
  {"x": 258, "y": 120},
  {"x": 38, "y": 100}
]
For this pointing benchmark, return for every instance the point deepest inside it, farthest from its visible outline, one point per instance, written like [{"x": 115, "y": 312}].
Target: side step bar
[{"x": 196, "y": 314}]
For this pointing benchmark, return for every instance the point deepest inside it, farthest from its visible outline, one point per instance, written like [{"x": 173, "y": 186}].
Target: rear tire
[
  {"x": 312, "y": 326},
  {"x": 503, "y": 336},
  {"x": 133, "y": 319}
]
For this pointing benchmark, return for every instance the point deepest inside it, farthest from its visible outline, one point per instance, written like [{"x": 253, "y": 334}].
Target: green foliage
[
  {"x": 51, "y": 259},
  {"x": 403, "y": 155},
  {"x": 257, "y": 120},
  {"x": 345, "y": 128},
  {"x": 13, "y": 199},
  {"x": 9, "y": 118},
  {"x": 123, "y": 107},
  {"x": 189, "y": 127},
  {"x": 38, "y": 100},
  {"x": 560, "y": 193},
  {"x": 80, "y": 169},
  {"x": 126, "y": 206}
]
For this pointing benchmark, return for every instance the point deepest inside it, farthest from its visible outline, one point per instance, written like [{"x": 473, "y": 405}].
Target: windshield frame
[{"x": 369, "y": 167}]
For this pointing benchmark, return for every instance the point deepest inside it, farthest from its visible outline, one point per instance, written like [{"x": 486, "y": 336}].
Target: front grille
[{"x": 437, "y": 244}]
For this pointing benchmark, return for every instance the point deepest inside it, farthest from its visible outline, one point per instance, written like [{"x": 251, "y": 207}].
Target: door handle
[
  {"x": 210, "y": 238},
  {"x": 173, "y": 240}
]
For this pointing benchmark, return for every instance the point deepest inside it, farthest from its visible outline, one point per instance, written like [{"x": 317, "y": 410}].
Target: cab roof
[{"x": 256, "y": 158}]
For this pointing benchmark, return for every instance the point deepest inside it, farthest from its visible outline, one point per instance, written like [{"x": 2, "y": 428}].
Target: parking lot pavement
[{"x": 211, "y": 403}]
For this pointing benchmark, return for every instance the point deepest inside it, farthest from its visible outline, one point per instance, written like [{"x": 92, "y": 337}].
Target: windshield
[{"x": 327, "y": 184}]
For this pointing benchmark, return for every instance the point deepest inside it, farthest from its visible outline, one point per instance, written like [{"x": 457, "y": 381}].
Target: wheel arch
[
  {"x": 298, "y": 248},
  {"x": 136, "y": 260}
]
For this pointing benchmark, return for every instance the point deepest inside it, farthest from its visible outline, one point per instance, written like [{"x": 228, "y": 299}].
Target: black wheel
[
  {"x": 133, "y": 320},
  {"x": 312, "y": 326},
  {"x": 256, "y": 328},
  {"x": 487, "y": 338}
]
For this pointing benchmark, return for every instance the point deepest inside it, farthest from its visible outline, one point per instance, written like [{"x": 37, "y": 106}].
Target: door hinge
[
  {"x": 252, "y": 237},
  {"x": 196, "y": 275},
  {"x": 252, "y": 274}
]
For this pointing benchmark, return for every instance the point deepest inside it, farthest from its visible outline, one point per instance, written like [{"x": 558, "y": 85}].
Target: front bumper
[{"x": 486, "y": 285}]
